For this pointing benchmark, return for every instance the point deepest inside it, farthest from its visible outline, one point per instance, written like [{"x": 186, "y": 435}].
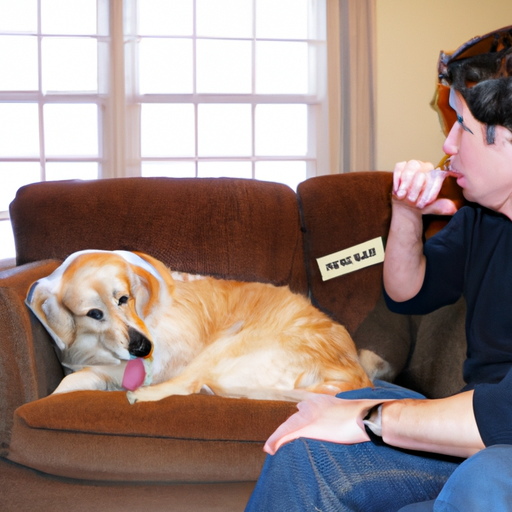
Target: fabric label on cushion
[{"x": 352, "y": 259}]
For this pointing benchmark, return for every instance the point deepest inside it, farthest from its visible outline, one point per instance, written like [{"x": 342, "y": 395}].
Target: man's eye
[
  {"x": 123, "y": 300},
  {"x": 461, "y": 122}
]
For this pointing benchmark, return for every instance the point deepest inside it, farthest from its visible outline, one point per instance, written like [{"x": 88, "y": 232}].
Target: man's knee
[
  {"x": 485, "y": 479},
  {"x": 494, "y": 461}
]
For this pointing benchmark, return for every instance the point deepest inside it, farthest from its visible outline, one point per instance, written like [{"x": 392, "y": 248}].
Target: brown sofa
[{"x": 92, "y": 450}]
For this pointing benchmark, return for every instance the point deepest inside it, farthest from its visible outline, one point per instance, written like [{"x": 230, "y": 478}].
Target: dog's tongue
[{"x": 134, "y": 374}]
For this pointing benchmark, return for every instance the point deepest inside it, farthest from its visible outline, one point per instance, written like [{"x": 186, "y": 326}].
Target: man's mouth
[
  {"x": 454, "y": 173},
  {"x": 447, "y": 167}
]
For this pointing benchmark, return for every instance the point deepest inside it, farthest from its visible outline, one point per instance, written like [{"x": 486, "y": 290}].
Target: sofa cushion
[
  {"x": 338, "y": 212},
  {"x": 388, "y": 335},
  {"x": 438, "y": 352},
  {"x": 424, "y": 353},
  {"x": 98, "y": 435},
  {"x": 29, "y": 368},
  {"x": 239, "y": 229}
]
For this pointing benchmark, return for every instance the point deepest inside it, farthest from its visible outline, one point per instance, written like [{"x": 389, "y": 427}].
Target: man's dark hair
[{"x": 485, "y": 83}]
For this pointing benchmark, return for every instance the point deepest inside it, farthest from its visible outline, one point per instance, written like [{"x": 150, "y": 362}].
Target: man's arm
[
  {"x": 404, "y": 264},
  {"x": 445, "y": 426},
  {"x": 416, "y": 186}
]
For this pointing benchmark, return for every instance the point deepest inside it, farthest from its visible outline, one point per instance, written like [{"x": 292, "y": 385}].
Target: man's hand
[
  {"x": 416, "y": 187},
  {"x": 325, "y": 418},
  {"x": 417, "y": 184}
]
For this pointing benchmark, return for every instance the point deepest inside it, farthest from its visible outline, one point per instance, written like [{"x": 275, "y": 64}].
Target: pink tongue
[{"x": 134, "y": 374}]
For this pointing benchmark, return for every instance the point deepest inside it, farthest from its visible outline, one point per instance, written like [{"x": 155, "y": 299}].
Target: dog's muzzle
[{"x": 138, "y": 345}]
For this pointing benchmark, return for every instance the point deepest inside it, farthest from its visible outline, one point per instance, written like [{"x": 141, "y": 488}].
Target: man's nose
[{"x": 451, "y": 143}]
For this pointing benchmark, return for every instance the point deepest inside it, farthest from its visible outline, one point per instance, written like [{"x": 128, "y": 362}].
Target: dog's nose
[{"x": 138, "y": 345}]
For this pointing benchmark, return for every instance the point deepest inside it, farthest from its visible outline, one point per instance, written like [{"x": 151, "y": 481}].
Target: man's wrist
[{"x": 373, "y": 420}]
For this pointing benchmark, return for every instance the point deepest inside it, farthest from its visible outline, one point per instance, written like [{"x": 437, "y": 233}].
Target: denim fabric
[
  {"x": 481, "y": 483},
  {"x": 308, "y": 475},
  {"x": 424, "y": 506}
]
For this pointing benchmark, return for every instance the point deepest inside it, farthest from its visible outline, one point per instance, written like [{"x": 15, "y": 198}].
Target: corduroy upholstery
[
  {"x": 236, "y": 229},
  {"x": 334, "y": 221},
  {"x": 29, "y": 368},
  {"x": 100, "y": 436},
  {"x": 87, "y": 443}
]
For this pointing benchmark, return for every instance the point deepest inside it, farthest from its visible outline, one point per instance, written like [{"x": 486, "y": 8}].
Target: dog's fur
[{"x": 232, "y": 338}]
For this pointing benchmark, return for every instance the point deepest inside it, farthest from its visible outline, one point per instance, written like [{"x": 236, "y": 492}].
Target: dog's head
[{"x": 94, "y": 306}]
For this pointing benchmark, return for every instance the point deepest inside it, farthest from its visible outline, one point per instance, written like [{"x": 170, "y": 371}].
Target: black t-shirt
[{"x": 472, "y": 256}]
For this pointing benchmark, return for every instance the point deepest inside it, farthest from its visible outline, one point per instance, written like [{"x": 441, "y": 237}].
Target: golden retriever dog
[{"x": 197, "y": 333}]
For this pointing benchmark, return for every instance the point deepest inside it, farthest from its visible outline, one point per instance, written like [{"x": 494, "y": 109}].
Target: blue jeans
[
  {"x": 482, "y": 482},
  {"x": 307, "y": 475}
]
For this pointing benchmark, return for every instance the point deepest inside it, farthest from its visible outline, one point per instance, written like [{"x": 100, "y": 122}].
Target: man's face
[{"x": 485, "y": 170}]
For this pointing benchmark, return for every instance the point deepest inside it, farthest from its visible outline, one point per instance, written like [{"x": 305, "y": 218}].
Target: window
[
  {"x": 179, "y": 88},
  {"x": 227, "y": 87},
  {"x": 53, "y": 95}
]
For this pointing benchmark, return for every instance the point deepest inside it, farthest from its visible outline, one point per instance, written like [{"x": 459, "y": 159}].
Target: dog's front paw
[
  {"x": 132, "y": 398},
  {"x": 147, "y": 394}
]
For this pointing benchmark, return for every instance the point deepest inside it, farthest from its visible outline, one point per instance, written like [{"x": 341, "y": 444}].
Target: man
[{"x": 417, "y": 446}]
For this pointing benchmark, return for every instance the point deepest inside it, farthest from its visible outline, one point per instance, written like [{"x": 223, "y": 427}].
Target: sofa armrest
[
  {"x": 7, "y": 263},
  {"x": 29, "y": 367}
]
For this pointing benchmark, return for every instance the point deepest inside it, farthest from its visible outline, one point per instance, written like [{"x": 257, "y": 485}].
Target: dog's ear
[
  {"x": 44, "y": 304},
  {"x": 160, "y": 268},
  {"x": 146, "y": 290}
]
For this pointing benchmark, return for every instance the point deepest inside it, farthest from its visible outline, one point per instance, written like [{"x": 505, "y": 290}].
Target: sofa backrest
[
  {"x": 253, "y": 231},
  {"x": 232, "y": 228},
  {"x": 339, "y": 212}
]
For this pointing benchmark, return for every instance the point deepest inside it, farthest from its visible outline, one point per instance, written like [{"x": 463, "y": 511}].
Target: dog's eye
[
  {"x": 123, "y": 300},
  {"x": 97, "y": 314}
]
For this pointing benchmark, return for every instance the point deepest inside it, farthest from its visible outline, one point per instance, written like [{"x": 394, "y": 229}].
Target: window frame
[
  {"x": 119, "y": 104},
  {"x": 317, "y": 157},
  {"x": 101, "y": 98}
]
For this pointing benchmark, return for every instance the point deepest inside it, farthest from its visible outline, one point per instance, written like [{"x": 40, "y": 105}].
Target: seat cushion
[{"x": 97, "y": 435}]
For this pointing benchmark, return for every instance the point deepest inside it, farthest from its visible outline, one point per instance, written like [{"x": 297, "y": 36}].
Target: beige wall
[{"x": 410, "y": 35}]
